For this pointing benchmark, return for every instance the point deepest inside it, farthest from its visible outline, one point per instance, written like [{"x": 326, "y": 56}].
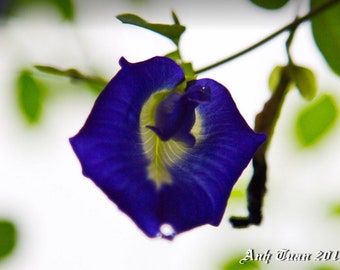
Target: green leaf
[
  {"x": 66, "y": 8},
  {"x": 326, "y": 32},
  {"x": 8, "y": 237},
  {"x": 316, "y": 120},
  {"x": 304, "y": 80},
  {"x": 234, "y": 264},
  {"x": 96, "y": 83},
  {"x": 270, "y": 4},
  {"x": 30, "y": 96},
  {"x": 171, "y": 31},
  {"x": 274, "y": 77}
]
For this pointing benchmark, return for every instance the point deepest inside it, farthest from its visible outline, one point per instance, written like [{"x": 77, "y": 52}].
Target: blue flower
[{"x": 166, "y": 152}]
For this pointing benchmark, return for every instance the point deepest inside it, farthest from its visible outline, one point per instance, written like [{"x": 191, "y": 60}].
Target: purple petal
[
  {"x": 204, "y": 177},
  {"x": 110, "y": 150},
  {"x": 109, "y": 145}
]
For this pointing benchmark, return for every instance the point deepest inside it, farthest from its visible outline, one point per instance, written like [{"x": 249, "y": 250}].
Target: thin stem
[
  {"x": 292, "y": 25},
  {"x": 289, "y": 42}
]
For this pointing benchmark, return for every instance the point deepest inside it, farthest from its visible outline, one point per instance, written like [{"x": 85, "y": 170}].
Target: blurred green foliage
[
  {"x": 274, "y": 77},
  {"x": 326, "y": 32},
  {"x": 33, "y": 89},
  {"x": 66, "y": 8},
  {"x": 270, "y": 4},
  {"x": 30, "y": 95},
  {"x": 234, "y": 264},
  {"x": 335, "y": 210},
  {"x": 4, "y": 6},
  {"x": 304, "y": 80},
  {"x": 8, "y": 238},
  {"x": 238, "y": 193},
  {"x": 302, "y": 77},
  {"x": 171, "y": 31},
  {"x": 325, "y": 268},
  {"x": 314, "y": 121}
]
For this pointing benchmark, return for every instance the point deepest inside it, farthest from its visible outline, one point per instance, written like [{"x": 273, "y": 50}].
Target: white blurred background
[{"x": 65, "y": 222}]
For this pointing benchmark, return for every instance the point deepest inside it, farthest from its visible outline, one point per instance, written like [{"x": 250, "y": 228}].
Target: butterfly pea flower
[{"x": 167, "y": 152}]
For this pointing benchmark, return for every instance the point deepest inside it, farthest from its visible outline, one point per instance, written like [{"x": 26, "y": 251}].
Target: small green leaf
[
  {"x": 326, "y": 32},
  {"x": 304, "y": 80},
  {"x": 234, "y": 264},
  {"x": 316, "y": 120},
  {"x": 171, "y": 31},
  {"x": 8, "y": 237},
  {"x": 274, "y": 77},
  {"x": 270, "y": 4},
  {"x": 96, "y": 83},
  {"x": 30, "y": 96},
  {"x": 66, "y": 8}
]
